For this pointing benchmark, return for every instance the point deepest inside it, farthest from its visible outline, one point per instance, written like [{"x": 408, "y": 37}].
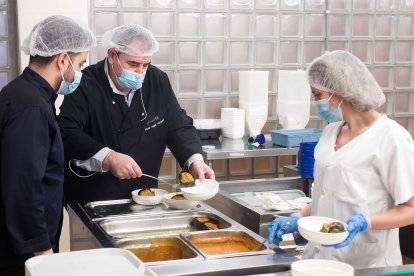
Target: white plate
[
  {"x": 316, "y": 267},
  {"x": 149, "y": 200},
  {"x": 201, "y": 191},
  {"x": 179, "y": 204},
  {"x": 103, "y": 261},
  {"x": 309, "y": 227}
]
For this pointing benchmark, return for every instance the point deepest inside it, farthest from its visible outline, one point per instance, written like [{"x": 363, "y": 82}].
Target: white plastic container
[
  {"x": 253, "y": 98},
  {"x": 293, "y": 99},
  {"x": 102, "y": 262}
]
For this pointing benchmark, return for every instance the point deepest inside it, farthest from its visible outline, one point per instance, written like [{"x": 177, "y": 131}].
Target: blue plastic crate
[{"x": 293, "y": 137}]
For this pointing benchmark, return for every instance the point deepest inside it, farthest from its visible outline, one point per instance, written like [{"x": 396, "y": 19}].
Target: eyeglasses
[{"x": 258, "y": 141}]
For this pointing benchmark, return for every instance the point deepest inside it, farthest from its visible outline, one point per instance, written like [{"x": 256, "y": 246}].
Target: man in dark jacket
[
  {"x": 31, "y": 152},
  {"x": 121, "y": 120}
]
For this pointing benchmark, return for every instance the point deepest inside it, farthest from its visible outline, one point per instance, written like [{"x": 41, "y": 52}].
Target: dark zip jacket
[
  {"x": 31, "y": 163},
  {"x": 95, "y": 117}
]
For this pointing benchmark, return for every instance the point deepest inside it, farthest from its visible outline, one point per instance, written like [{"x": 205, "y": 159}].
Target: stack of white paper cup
[{"x": 232, "y": 122}]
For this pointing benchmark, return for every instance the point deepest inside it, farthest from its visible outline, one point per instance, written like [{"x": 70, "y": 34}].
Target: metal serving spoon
[{"x": 159, "y": 179}]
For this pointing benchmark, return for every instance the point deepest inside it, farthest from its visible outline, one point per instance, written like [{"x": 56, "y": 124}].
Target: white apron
[{"x": 369, "y": 175}]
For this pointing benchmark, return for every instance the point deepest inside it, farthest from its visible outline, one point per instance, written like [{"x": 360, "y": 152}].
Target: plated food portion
[
  {"x": 148, "y": 196},
  {"x": 178, "y": 201},
  {"x": 322, "y": 230},
  {"x": 192, "y": 192}
]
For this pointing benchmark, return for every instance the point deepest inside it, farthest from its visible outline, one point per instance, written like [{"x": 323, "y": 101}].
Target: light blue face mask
[
  {"x": 129, "y": 79},
  {"x": 322, "y": 110},
  {"x": 66, "y": 87}
]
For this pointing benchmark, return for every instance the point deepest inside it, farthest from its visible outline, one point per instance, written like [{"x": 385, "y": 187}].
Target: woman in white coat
[{"x": 363, "y": 167}]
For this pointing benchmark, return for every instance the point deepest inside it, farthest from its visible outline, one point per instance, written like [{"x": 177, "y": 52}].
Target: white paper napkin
[{"x": 272, "y": 201}]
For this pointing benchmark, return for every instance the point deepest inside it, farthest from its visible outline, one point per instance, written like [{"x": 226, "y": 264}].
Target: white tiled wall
[
  {"x": 204, "y": 44},
  {"x": 30, "y": 12}
]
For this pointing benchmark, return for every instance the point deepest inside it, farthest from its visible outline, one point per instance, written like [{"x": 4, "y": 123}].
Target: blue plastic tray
[{"x": 293, "y": 137}]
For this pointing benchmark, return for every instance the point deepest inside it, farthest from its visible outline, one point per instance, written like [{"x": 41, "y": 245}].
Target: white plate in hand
[
  {"x": 309, "y": 227},
  {"x": 201, "y": 190}
]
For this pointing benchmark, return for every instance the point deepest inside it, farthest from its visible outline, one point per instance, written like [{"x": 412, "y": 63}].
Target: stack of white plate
[
  {"x": 201, "y": 190},
  {"x": 232, "y": 122},
  {"x": 103, "y": 261},
  {"x": 317, "y": 267}
]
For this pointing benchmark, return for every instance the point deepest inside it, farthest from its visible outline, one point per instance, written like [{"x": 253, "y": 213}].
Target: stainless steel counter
[
  {"x": 226, "y": 148},
  {"x": 254, "y": 217}
]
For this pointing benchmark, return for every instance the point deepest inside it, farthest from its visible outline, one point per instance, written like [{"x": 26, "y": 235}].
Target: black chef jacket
[
  {"x": 95, "y": 117},
  {"x": 31, "y": 162}
]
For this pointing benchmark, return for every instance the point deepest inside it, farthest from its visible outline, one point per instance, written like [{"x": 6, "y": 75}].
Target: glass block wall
[
  {"x": 8, "y": 40},
  {"x": 204, "y": 44}
]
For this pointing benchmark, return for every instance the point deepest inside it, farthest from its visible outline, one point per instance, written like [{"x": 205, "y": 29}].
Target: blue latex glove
[
  {"x": 357, "y": 223},
  {"x": 281, "y": 226}
]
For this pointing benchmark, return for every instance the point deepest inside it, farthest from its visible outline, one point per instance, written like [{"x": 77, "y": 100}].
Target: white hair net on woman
[
  {"x": 343, "y": 74},
  {"x": 57, "y": 34},
  {"x": 131, "y": 39}
]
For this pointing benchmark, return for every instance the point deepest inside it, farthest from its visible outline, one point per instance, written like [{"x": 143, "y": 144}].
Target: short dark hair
[{"x": 39, "y": 60}]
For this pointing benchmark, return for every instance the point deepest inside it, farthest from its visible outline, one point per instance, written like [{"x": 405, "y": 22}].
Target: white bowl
[
  {"x": 309, "y": 227},
  {"x": 179, "y": 204},
  {"x": 149, "y": 200},
  {"x": 201, "y": 191},
  {"x": 316, "y": 267}
]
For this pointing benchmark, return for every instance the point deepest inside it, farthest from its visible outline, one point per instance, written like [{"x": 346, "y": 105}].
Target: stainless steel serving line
[
  {"x": 121, "y": 223},
  {"x": 109, "y": 223}
]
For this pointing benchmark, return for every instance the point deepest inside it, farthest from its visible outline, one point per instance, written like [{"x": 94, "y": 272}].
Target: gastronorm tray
[
  {"x": 99, "y": 210},
  {"x": 225, "y": 243},
  {"x": 158, "y": 224},
  {"x": 158, "y": 250}
]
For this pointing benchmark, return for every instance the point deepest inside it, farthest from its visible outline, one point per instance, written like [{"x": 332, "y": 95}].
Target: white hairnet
[
  {"x": 131, "y": 39},
  {"x": 343, "y": 74},
  {"x": 57, "y": 34}
]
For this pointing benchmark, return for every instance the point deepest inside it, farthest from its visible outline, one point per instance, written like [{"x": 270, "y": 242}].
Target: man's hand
[
  {"x": 47, "y": 252},
  {"x": 121, "y": 165},
  {"x": 201, "y": 170}
]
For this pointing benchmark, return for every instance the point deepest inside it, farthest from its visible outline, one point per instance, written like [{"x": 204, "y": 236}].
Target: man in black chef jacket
[
  {"x": 121, "y": 120},
  {"x": 31, "y": 152}
]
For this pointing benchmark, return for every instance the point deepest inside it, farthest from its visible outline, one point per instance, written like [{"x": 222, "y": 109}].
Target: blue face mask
[
  {"x": 322, "y": 110},
  {"x": 67, "y": 88},
  {"x": 129, "y": 79}
]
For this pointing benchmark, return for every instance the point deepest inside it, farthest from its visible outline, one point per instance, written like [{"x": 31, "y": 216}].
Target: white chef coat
[{"x": 370, "y": 174}]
